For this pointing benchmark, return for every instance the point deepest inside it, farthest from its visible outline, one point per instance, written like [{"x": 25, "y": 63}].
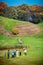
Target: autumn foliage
[
  {"x": 2, "y": 6},
  {"x": 15, "y": 31},
  {"x": 23, "y": 12}
]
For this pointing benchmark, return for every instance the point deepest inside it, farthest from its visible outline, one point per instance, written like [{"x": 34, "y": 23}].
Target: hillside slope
[{"x": 25, "y": 28}]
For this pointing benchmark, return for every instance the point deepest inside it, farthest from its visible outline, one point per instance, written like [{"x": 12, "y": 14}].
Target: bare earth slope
[
  {"x": 24, "y": 30},
  {"x": 29, "y": 29}
]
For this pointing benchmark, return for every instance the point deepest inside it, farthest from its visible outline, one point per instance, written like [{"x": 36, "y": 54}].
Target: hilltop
[
  {"x": 36, "y": 8},
  {"x": 33, "y": 7}
]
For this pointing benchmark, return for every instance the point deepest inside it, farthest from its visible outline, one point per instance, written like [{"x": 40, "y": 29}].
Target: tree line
[{"x": 22, "y": 12}]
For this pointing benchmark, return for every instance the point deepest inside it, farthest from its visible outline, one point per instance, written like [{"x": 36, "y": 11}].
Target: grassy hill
[
  {"x": 10, "y": 41},
  {"x": 34, "y": 43}
]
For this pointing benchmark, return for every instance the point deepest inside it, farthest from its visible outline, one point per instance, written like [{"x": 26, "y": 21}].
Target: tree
[
  {"x": 10, "y": 12},
  {"x": 2, "y": 6}
]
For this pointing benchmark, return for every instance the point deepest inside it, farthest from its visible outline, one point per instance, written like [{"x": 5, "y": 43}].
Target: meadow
[{"x": 34, "y": 44}]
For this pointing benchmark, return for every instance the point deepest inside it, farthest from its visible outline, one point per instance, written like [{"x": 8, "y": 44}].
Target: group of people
[{"x": 16, "y": 53}]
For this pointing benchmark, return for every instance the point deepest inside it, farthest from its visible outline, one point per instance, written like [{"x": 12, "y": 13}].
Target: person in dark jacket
[
  {"x": 20, "y": 53},
  {"x": 14, "y": 53},
  {"x": 8, "y": 54}
]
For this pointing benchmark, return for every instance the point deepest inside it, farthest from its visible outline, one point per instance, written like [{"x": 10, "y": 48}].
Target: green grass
[
  {"x": 40, "y": 34},
  {"x": 12, "y": 41},
  {"x": 34, "y": 43},
  {"x": 10, "y": 23},
  {"x": 33, "y": 57},
  {"x": 40, "y": 24}
]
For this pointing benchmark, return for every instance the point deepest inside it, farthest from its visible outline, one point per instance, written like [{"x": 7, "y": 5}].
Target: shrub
[{"x": 15, "y": 31}]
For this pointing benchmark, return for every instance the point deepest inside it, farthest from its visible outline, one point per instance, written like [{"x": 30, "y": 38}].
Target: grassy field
[
  {"x": 34, "y": 44},
  {"x": 10, "y": 23}
]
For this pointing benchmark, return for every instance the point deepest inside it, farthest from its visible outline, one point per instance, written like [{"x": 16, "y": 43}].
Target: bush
[{"x": 15, "y": 31}]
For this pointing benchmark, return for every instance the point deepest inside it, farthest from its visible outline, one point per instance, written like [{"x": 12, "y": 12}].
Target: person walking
[
  {"x": 13, "y": 54},
  {"x": 17, "y": 53},
  {"x": 25, "y": 51},
  {"x": 5, "y": 54},
  {"x": 8, "y": 54}
]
